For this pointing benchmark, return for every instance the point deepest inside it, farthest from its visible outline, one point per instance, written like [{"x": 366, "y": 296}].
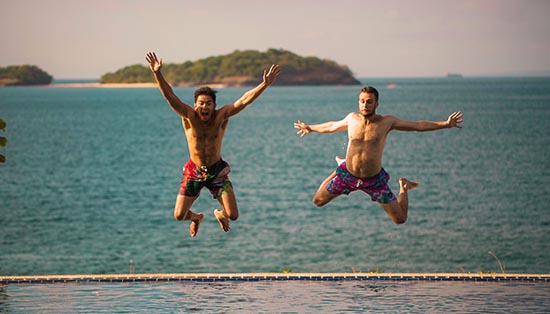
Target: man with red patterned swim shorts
[
  {"x": 362, "y": 168},
  {"x": 215, "y": 178},
  {"x": 204, "y": 128}
]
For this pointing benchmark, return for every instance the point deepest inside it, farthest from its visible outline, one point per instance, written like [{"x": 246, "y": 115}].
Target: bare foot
[
  {"x": 224, "y": 221},
  {"x": 339, "y": 160},
  {"x": 195, "y": 224},
  {"x": 408, "y": 184}
]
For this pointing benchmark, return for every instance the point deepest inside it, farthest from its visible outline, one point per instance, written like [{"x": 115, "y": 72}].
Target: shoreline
[
  {"x": 102, "y": 85},
  {"x": 118, "y": 85},
  {"x": 123, "y": 85}
]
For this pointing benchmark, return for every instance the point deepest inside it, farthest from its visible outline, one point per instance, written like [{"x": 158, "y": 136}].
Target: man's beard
[{"x": 368, "y": 114}]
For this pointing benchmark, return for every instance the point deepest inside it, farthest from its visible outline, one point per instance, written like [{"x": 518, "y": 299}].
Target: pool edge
[{"x": 266, "y": 276}]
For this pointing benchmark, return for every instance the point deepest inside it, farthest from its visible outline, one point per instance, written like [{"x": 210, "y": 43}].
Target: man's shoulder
[
  {"x": 224, "y": 111},
  {"x": 389, "y": 121},
  {"x": 388, "y": 118}
]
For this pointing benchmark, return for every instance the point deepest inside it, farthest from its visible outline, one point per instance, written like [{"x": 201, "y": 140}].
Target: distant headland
[
  {"x": 18, "y": 75},
  {"x": 240, "y": 68}
]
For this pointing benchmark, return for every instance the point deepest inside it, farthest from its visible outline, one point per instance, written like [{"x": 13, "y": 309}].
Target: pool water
[{"x": 287, "y": 296}]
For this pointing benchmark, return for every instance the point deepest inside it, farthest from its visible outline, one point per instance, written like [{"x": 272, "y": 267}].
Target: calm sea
[{"x": 92, "y": 174}]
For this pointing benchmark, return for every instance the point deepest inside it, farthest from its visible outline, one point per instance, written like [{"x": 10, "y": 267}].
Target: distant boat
[{"x": 454, "y": 75}]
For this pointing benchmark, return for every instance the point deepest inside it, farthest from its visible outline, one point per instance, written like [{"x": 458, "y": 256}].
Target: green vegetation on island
[
  {"x": 241, "y": 68},
  {"x": 16, "y": 75}
]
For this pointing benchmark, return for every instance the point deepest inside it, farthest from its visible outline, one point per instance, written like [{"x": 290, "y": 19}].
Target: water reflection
[
  {"x": 277, "y": 296},
  {"x": 4, "y": 300}
]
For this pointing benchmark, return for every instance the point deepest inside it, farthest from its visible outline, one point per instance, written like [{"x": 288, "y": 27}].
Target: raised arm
[
  {"x": 247, "y": 98},
  {"x": 175, "y": 103},
  {"x": 423, "y": 125},
  {"x": 327, "y": 127}
]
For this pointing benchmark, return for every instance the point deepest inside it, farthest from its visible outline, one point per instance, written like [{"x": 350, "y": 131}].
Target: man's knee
[
  {"x": 179, "y": 214},
  {"x": 399, "y": 220},
  {"x": 319, "y": 202},
  {"x": 397, "y": 214},
  {"x": 231, "y": 212},
  {"x": 234, "y": 215},
  {"x": 323, "y": 197}
]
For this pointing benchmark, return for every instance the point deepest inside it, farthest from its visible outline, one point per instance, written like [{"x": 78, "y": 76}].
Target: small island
[
  {"x": 240, "y": 68},
  {"x": 22, "y": 75}
]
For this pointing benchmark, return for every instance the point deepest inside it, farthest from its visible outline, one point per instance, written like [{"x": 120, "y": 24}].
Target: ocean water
[{"x": 92, "y": 174}]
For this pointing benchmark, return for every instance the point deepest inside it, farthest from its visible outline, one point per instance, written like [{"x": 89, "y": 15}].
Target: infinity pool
[{"x": 278, "y": 296}]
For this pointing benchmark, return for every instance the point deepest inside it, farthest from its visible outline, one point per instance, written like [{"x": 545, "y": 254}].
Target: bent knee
[
  {"x": 323, "y": 197},
  {"x": 399, "y": 220},
  {"x": 232, "y": 213},
  {"x": 319, "y": 202},
  {"x": 179, "y": 216}
]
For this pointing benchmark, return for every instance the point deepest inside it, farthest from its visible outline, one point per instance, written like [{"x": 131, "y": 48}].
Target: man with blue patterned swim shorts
[
  {"x": 362, "y": 168},
  {"x": 377, "y": 186}
]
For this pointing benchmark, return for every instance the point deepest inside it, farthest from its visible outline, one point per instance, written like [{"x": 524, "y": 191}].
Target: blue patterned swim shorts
[{"x": 377, "y": 186}]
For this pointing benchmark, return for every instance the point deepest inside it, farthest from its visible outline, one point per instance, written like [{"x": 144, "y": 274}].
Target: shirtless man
[
  {"x": 204, "y": 127},
  {"x": 362, "y": 168}
]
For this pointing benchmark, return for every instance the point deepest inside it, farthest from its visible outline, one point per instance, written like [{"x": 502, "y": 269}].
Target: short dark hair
[
  {"x": 205, "y": 90},
  {"x": 369, "y": 90}
]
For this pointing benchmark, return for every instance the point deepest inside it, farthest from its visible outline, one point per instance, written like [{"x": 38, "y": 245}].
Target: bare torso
[
  {"x": 367, "y": 138},
  {"x": 204, "y": 139}
]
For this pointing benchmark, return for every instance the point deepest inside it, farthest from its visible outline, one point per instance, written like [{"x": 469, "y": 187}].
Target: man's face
[
  {"x": 367, "y": 104},
  {"x": 204, "y": 106}
]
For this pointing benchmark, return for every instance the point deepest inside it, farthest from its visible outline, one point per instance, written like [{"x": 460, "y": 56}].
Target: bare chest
[
  {"x": 197, "y": 131},
  {"x": 367, "y": 132}
]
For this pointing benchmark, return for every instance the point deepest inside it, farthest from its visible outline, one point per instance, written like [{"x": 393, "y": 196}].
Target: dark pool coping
[{"x": 220, "y": 277}]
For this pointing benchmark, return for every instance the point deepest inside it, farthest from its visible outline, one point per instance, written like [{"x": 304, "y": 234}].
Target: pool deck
[{"x": 220, "y": 277}]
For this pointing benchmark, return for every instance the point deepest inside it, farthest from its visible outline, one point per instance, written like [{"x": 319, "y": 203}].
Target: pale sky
[{"x": 375, "y": 38}]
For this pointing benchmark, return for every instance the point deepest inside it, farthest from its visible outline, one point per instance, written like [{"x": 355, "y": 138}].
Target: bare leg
[
  {"x": 398, "y": 210},
  {"x": 182, "y": 211},
  {"x": 229, "y": 209},
  {"x": 322, "y": 196},
  {"x": 195, "y": 224}
]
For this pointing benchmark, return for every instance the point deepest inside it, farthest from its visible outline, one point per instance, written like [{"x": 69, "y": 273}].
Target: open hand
[
  {"x": 272, "y": 75},
  {"x": 154, "y": 63},
  {"x": 454, "y": 119},
  {"x": 303, "y": 128}
]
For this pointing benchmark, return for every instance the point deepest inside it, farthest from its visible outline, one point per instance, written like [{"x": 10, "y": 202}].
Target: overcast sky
[{"x": 375, "y": 38}]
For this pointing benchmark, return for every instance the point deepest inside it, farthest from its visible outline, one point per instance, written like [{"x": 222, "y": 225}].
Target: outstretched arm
[
  {"x": 453, "y": 121},
  {"x": 247, "y": 98},
  {"x": 327, "y": 127},
  {"x": 177, "y": 105}
]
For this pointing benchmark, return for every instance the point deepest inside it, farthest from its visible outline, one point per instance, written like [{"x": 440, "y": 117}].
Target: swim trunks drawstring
[{"x": 203, "y": 173}]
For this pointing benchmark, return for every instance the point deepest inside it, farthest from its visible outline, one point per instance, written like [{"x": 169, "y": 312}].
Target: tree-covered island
[
  {"x": 17, "y": 75},
  {"x": 241, "y": 68}
]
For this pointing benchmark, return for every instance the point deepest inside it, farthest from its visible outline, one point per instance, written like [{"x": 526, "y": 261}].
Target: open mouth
[{"x": 204, "y": 113}]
